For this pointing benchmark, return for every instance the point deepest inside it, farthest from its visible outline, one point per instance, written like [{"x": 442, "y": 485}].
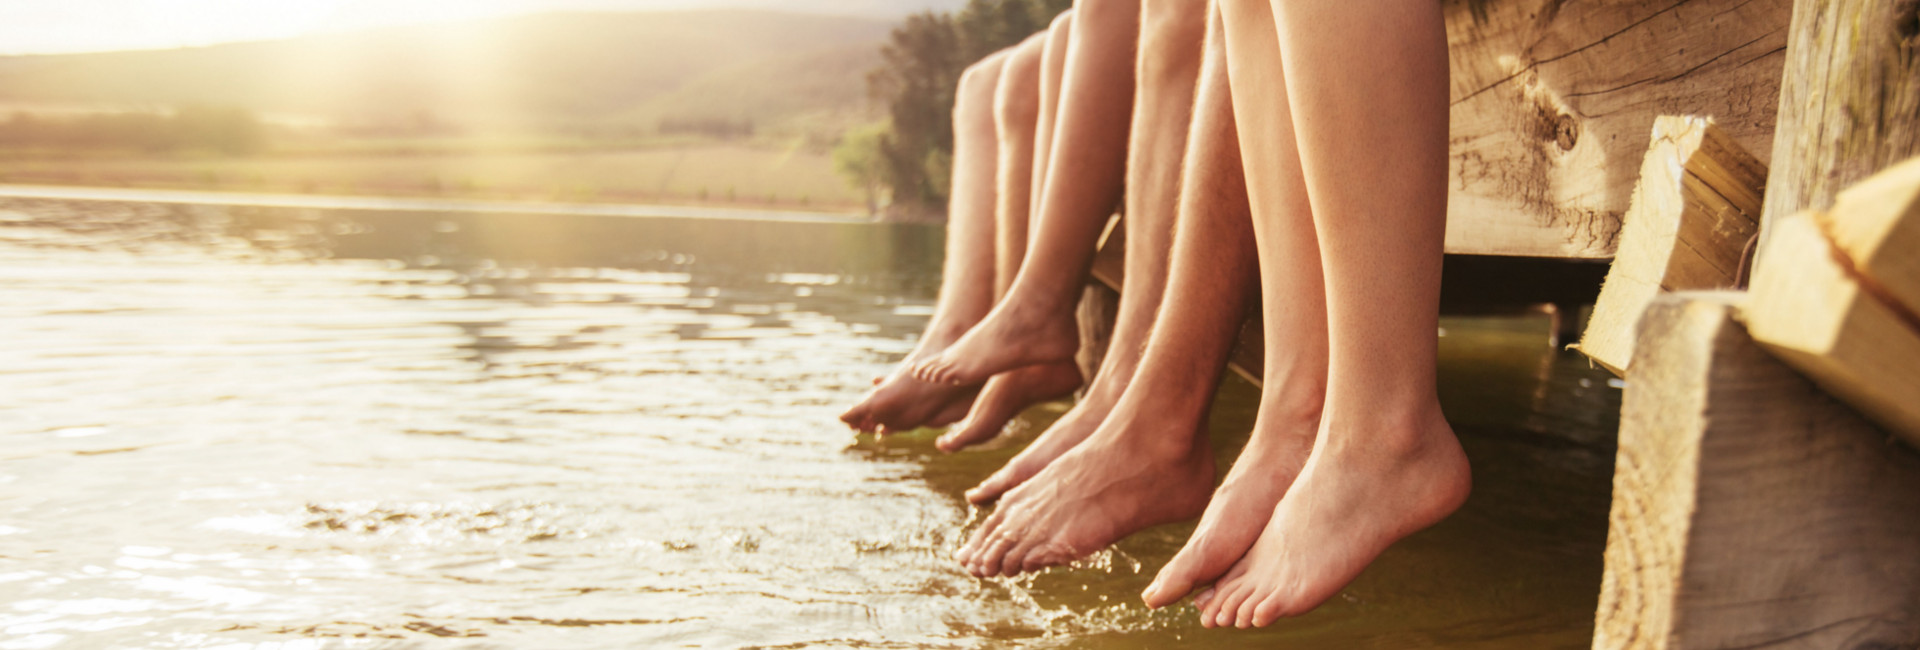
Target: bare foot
[
  {"x": 1240, "y": 508},
  {"x": 1111, "y": 485},
  {"x": 899, "y": 402},
  {"x": 1012, "y": 336},
  {"x": 1080, "y": 422},
  {"x": 1350, "y": 503},
  {"x": 954, "y": 411},
  {"x": 1005, "y": 396}
]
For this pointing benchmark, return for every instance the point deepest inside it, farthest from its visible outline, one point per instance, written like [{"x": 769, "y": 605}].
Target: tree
[
  {"x": 859, "y": 157},
  {"x": 919, "y": 74}
]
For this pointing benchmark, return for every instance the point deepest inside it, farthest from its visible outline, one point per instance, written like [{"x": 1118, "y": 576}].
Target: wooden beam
[
  {"x": 1694, "y": 212},
  {"x": 1849, "y": 103},
  {"x": 1876, "y": 224},
  {"x": 1809, "y": 310},
  {"x": 1110, "y": 259},
  {"x": 1749, "y": 509},
  {"x": 1552, "y": 101},
  {"x": 1470, "y": 284}
]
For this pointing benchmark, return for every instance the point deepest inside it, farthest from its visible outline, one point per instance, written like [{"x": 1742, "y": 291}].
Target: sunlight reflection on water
[{"x": 282, "y": 427}]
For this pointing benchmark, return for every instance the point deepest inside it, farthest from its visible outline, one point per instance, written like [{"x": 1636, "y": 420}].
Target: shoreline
[{"x": 410, "y": 204}]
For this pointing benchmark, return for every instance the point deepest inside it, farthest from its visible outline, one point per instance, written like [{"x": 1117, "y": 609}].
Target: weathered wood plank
[
  {"x": 1110, "y": 259},
  {"x": 1849, "y": 103},
  {"x": 1694, "y": 211},
  {"x": 1876, "y": 224},
  {"x": 1552, "y": 100},
  {"x": 1749, "y": 509},
  {"x": 1099, "y": 308},
  {"x": 1809, "y": 310}
]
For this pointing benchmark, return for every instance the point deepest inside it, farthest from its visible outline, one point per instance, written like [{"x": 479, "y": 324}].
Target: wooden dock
[{"x": 1767, "y": 487}]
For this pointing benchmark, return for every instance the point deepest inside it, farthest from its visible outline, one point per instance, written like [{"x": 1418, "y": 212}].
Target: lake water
[{"x": 247, "y": 427}]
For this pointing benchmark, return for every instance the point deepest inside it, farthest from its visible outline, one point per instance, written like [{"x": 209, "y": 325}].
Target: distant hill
[{"x": 552, "y": 69}]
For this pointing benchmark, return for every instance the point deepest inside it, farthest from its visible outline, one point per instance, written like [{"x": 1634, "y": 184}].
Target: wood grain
[
  {"x": 1694, "y": 210},
  {"x": 1750, "y": 510},
  {"x": 1876, "y": 224},
  {"x": 1849, "y": 102},
  {"x": 1810, "y": 310},
  {"x": 1552, "y": 101}
]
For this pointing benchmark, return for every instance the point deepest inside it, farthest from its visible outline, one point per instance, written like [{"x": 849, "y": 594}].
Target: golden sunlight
[{"x": 101, "y": 25}]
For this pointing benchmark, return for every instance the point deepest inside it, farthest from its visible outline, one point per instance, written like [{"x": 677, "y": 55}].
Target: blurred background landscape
[{"x": 819, "y": 105}]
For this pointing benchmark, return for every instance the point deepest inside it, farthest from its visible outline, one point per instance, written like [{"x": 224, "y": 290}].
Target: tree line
[{"x": 910, "y": 158}]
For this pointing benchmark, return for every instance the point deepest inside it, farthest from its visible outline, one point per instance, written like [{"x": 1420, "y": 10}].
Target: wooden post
[
  {"x": 1099, "y": 309},
  {"x": 1750, "y": 510},
  {"x": 1810, "y": 309},
  {"x": 1695, "y": 210},
  {"x": 1849, "y": 103}
]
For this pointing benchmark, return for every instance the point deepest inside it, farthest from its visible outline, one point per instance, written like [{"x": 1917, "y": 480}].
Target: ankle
[
  {"x": 941, "y": 334},
  {"x": 1388, "y": 433},
  {"x": 1162, "y": 431}
]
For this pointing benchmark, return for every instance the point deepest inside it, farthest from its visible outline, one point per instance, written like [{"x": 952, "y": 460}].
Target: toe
[
  {"x": 924, "y": 370},
  {"x": 1243, "y": 618},
  {"x": 858, "y": 416},
  {"x": 1020, "y": 558},
  {"x": 1227, "y": 608},
  {"x": 1269, "y": 610},
  {"x": 1008, "y": 478},
  {"x": 938, "y": 370},
  {"x": 989, "y": 416},
  {"x": 1016, "y": 473},
  {"x": 978, "y": 541},
  {"x": 967, "y": 433},
  {"x": 1049, "y": 555},
  {"x": 1206, "y": 597},
  {"x": 987, "y": 564},
  {"x": 1195, "y": 564}
]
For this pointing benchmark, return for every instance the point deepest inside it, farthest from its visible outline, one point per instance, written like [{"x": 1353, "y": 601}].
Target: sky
[{"x": 61, "y": 26}]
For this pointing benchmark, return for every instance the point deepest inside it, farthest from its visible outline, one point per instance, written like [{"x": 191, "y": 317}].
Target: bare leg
[
  {"x": 1169, "y": 66},
  {"x": 898, "y": 401},
  {"x": 1367, "y": 84},
  {"x": 1013, "y": 226},
  {"x": 1017, "y": 110},
  {"x": 1149, "y": 461},
  {"x": 1293, "y": 317},
  {"x": 1034, "y": 323}
]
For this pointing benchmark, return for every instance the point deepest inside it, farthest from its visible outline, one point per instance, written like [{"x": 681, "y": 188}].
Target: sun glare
[{"x": 101, "y": 25}]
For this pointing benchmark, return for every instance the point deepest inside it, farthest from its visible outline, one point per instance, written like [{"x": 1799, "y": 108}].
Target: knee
[
  {"x": 1062, "y": 26},
  {"x": 1018, "y": 98},
  {"x": 974, "y": 98},
  {"x": 983, "y": 76}
]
